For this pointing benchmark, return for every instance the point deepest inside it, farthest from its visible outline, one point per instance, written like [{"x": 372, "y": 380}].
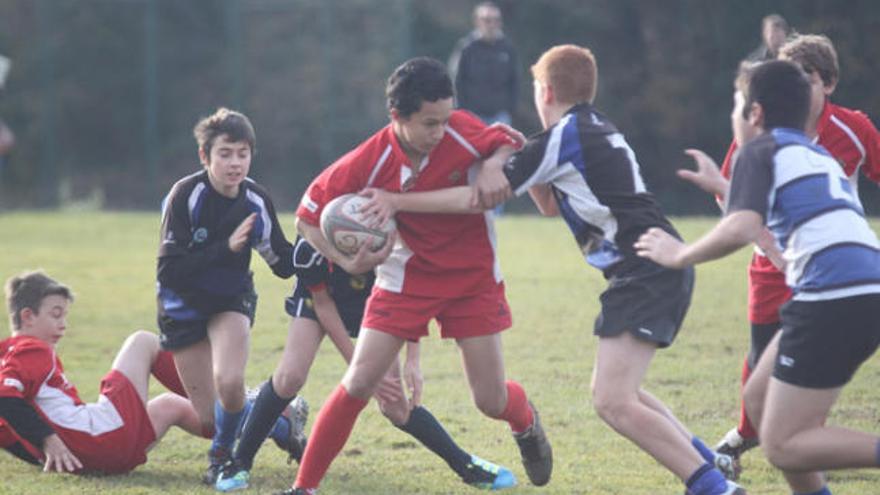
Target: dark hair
[
  {"x": 235, "y": 125},
  {"x": 416, "y": 80},
  {"x": 783, "y": 91},
  {"x": 776, "y": 20},
  {"x": 27, "y": 290}
]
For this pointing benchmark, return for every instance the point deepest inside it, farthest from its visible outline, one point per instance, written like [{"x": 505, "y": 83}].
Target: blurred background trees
[{"x": 103, "y": 94}]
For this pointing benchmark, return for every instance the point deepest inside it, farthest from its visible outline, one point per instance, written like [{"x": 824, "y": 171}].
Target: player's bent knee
[
  {"x": 230, "y": 390},
  {"x": 288, "y": 383},
  {"x": 492, "y": 406}
]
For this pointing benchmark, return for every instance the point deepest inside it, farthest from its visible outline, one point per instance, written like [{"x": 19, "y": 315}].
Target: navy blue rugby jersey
[
  {"x": 196, "y": 269},
  {"x": 595, "y": 178},
  {"x": 810, "y": 207},
  {"x": 314, "y": 272}
]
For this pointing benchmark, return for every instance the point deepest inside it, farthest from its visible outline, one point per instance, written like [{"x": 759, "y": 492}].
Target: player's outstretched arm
[
  {"x": 734, "y": 231},
  {"x": 706, "y": 176},
  {"x": 331, "y": 323},
  {"x": 544, "y": 199},
  {"x": 383, "y": 205}
]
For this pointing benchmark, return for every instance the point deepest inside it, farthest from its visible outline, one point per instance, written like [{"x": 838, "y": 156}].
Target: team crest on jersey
[
  {"x": 200, "y": 235},
  {"x": 454, "y": 176},
  {"x": 358, "y": 282}
]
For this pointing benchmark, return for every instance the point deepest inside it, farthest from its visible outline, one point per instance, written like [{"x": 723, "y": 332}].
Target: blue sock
[
  {"x": 823, "y": 491},
  {"x": 281, "y": 430},
  {"x": 225, "y": 427},
  {"x": 705, "y": 452},
  {"x": 877, "y": 457},
  {"x": 248, "y": 405},
  {"x": 706, "y": 481}
]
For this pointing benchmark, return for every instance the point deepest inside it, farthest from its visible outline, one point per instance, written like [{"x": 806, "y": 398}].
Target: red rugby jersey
[
  {"x": 30, "y": 370},
  {"x": 853, "y": 140},
  {"x": 437, "y": 255}
]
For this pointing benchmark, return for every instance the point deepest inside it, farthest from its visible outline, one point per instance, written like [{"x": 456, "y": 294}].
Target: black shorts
[
  {"x": 178, "y": 334},
  {"x": 650, "y": 302},
  {"x": 301, "y": 305},
  {"x": 823, "y": 343}
]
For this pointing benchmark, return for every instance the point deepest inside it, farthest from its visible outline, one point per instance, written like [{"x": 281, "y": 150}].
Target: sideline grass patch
[{"x": 109, "y": 260}]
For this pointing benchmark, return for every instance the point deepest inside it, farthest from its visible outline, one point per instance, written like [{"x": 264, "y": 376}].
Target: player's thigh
[
  {"x": 373, "y": 355},
  {"x": 229, "y": 334},
  {"x": 484, "y": 366},
  {"x": 304, "y": 336},
  {"x": 194, "y": 365},
  {"x": 135, "y": 359},
  {"x": 790, "y": 409},
  {"x": 620, "y": 366}
]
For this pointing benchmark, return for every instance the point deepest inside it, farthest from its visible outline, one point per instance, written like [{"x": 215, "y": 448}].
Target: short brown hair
[
  {"x": 814, "y": 53},
  {"x": 27, "y": 290},
  {"x": 571, "y": 71},
  {"x": 235, "y": 125}
]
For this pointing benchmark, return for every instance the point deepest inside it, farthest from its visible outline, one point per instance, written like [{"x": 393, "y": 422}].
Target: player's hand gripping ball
[{"x": 346, "y": 228}]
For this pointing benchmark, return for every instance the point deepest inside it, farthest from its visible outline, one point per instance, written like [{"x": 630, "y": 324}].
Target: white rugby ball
[{"x": 345, "y": 227}]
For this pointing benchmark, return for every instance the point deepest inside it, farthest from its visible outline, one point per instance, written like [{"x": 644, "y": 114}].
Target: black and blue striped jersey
[
  {"x": 595, "y": 178},
  {"x": 314, "y": 272},
  {"x": 197, "y": 272},
  {"x": 810, "y": 207}
]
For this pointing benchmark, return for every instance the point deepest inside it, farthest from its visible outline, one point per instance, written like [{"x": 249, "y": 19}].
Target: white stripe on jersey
[
  {"x": 264, "y": 247},
  {"x": 809, "y": 162},
  {"x": 816, "y": 234},
  {"x": 378, "y": 165},
  {"x": 547, "y": 170},
  {"x": 618, "y": 141},
  {"x": 854, "y": 178},
  {"x": 193, "y": 200},
  {"x": 462, "y": 141},
  {"x": 61, "y": 410},
  {"x": 583, "y": 201},
  {"x": 390, "y": 274},
  {"x": 489, "y": 218},
  {"x": 857, "y": 290}
]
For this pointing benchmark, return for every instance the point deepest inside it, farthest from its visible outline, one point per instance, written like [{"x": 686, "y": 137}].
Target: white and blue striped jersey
[
  {"x": 810, "y": 207},
  {"x": 595, "y": 179}
]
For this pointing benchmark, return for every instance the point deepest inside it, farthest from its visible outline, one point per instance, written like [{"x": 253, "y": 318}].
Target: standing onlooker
[
  {"x": 485, "y": 69},
  {"x": 7, "y": 138},
  {"x": 774, "y": 31}
]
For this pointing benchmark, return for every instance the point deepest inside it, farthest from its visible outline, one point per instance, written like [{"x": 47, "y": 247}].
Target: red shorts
[
  {"x": 124, "y": 448},
  {"x": 407, "y": 316}
]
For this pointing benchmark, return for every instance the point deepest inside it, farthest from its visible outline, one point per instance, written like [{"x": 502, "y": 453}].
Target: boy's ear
[
  {"x": 394, "y": 114},
  {"x": 756, "y": 115},
  {"x": 829, "y": 88},
  {"x": 549, "y": 94},
  {"x": 203, "y": 158},
  {"x": 26, "y": 316}
]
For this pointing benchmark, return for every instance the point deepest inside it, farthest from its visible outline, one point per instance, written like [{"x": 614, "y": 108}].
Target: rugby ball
[{"x": 346, "y": 228}]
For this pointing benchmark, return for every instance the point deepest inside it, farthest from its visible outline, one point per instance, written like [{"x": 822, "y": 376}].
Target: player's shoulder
[
  {"x": 187, "y": 184},
  {"x": 851, "y": 117},
  {"x": 254, "y": 187},
  {"x": 370, "y": 149},
  {"x": 461, "y": 119},
  {"x": 24, "y": 345}
]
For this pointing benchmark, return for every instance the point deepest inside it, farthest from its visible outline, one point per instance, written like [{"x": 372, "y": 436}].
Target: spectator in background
[
  {"x": 7, "y": 138},
  {"x": 774, "y": 32},
  {"x": 485, "y": 69}
]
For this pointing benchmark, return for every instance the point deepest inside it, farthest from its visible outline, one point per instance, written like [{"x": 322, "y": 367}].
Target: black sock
[
  {"x": 426, "y": 429},
  {"x": 265, "y": 411}
]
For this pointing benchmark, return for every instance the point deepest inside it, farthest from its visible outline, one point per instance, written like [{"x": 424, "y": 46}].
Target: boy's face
[
  {"x": 228, "y": 164},
  {"x": 47, "y": 324},
  {"x": 539, "y": 93},
  {"x": 422, "y": 131},
  {"x": 743, "y": 130},
  {"x": 818, "y": 93}
]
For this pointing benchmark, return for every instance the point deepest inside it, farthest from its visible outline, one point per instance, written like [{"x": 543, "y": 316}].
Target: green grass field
[{"x": 109, "y": 260}]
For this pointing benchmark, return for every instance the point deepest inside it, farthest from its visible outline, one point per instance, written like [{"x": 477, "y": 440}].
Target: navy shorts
[
  {"x": 823, "y": 343},
  {"x": 180, "y": 333},
  {"x": 301, "y": 305},
  {"x": 650, "y": 302}
]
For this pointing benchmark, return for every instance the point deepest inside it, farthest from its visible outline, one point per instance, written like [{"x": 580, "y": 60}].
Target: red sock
[
  {"x": 517, "y": 413},
  {"x": 166, "y": 372},
  {"x": 745, "y": 428},
  {"x": 331, "y": 429}
]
